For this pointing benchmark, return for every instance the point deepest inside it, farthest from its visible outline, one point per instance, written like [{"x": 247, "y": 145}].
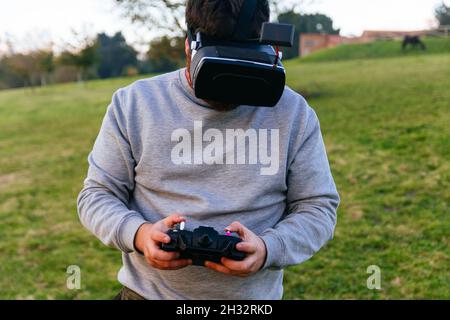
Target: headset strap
[
  {"x": 190, "y": 33},
  {"x": 242, "y": 30}
]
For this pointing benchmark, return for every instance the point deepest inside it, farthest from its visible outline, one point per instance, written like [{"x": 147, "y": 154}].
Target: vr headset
[{"x": 241, "y": 70}]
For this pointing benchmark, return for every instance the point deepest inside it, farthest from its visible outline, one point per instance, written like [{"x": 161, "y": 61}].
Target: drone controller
[{"x": 202, "y": 244}]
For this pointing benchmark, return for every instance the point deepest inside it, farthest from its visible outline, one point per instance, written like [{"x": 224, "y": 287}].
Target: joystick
[{"x": 202, "y": 244}]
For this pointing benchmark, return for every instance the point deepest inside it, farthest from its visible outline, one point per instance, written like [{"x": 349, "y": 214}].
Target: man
[{"x": 164, "y": 156}]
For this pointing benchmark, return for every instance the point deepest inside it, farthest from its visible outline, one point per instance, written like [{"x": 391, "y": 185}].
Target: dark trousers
[{"x": 128, "y": 294}]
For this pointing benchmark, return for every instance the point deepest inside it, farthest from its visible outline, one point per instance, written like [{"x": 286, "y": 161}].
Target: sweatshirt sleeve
[
  {"x": 312, "y": 201},
  {"x": 103, "y": 203}
]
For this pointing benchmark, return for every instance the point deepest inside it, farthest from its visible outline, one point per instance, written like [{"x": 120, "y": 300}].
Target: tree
[
  {"x": 83, "y": 59},
  {"x": 166, "y": 54},
  {"x": 442, "y": 14},
  {"x": 115, "y": 55},
  {"x": 26, "y": 68},
  {"x": 167, "y": 15},
  {"x": 23, "y": 66},
  {"x": 305, "y": 23},
  {"x": 278, "y": 7},
  {"x": 44, "y": 60},
  {"x": 13, "y": 72}
]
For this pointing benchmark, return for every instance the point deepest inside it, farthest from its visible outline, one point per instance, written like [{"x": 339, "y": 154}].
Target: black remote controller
[{"x": 202, "y": 244}]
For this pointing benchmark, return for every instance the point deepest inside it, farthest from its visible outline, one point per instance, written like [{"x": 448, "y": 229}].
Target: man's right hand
[{"x": 149, "y": 238}]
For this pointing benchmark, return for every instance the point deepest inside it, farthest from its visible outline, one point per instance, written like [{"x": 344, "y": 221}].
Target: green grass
[
  {"x": 386, "y": 126},
  {"x": 379, "y": 49}
]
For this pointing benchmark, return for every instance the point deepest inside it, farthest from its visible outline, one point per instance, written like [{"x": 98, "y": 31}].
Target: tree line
[
  {"x": 111, "y": 56},
  {"x": 102, "y": 57}
]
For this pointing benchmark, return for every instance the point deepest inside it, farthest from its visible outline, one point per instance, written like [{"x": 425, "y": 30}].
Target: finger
[
  {"x": 247, "y": 247},
  {"x": 222, "y": 269},
  {"x": 173, "y": 265},
  {"x": 160, "y": 236},
  {"x": 165, "y": 256},
  {"x": 170, "y": 221},
  {"x": 217, "y": 267},
  {"x": 156, "y": 253},
  {"x": 240, "y": 266},
  {"x": 238, "y": 228}
]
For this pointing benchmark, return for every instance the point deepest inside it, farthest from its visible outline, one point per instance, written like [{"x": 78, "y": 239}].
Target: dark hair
[{"x": 219, "y": 17}]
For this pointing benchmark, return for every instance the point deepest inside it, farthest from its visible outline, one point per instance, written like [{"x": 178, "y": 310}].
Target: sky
[{"x": 30, "y": 23}]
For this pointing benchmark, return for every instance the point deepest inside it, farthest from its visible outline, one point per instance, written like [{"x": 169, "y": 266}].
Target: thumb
[
  {"x": 237, "y": 227},
  {"x": 172, "y": 220}
]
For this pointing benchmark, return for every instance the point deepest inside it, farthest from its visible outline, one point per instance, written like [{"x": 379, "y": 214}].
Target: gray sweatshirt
[{"x": 161, "y": 151}]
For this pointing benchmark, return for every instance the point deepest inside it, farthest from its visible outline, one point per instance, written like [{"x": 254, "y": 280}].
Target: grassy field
[
  {"x": 379, "y": 49},
  {"x": 386, "y": 126}
]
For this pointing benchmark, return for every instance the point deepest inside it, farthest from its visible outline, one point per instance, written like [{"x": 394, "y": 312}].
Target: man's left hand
[{"x": 252, "y": 245}]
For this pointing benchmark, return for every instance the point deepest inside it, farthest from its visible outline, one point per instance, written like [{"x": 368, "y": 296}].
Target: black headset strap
[
  {"x": 190, "y": 35},
  {"x": 242, "y": 30}
]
